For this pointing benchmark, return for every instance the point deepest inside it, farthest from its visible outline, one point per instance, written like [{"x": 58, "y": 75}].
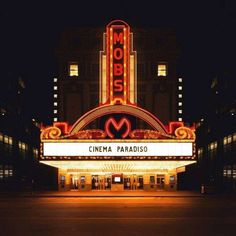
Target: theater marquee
[{"x": 118, "y": 135}]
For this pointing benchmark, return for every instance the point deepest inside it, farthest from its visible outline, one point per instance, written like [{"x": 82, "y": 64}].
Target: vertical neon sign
[{"x": 118, "y": 66}]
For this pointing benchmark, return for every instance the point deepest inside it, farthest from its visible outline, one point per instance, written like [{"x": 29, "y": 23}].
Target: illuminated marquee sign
[
  {"x": 118, "y": 66},
  {"x": 118, "y": 148},
  {"x": 118, "y": 63},
  {"x": 117, "y": 136}
]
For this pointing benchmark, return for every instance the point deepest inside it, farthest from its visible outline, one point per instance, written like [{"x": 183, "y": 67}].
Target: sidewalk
[{"x": 104, "y": 193}]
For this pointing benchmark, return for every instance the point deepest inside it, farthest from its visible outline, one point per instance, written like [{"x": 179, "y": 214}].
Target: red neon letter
[
  {"x": 117, "y": 126},
  {"x": 118, "y": 69},
  {"x": 118, "y": 86},
  {"x": 118, "y": 53},
  {"x": 118, "y": 38}
]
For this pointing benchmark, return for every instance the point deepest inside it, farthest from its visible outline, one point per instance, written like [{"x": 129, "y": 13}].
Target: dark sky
[{"x": 30, "y": 31}]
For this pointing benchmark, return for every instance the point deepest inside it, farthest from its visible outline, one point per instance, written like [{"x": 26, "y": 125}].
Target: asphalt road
[{"x": 118, "y": 216}]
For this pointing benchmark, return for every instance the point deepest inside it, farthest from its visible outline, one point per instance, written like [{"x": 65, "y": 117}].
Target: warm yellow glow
[
  {"x": 121, "y": 166},
  {"x": 74, "y": 71},
  {"x": 212, "y": 145},
  {"x": 132, "y": 90},
  {"x": 7, "y": 139},
  {"x": 22, "y": 145},
  {"x": 104, "y": 80},
  {"x": 161, "y": 70}
]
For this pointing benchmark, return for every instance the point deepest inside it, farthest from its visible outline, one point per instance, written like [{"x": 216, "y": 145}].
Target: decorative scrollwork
[
  {"x": 145, "y": 134},
  {"x": 90, "y": 134},
  {"x": 50, "y": 133},
  {"x": 184, "y": 133}
]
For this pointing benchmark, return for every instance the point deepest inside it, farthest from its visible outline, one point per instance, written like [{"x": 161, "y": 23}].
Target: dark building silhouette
[
  {"x": 19, "y": 139},
  {"x": 216, "y": 135}
]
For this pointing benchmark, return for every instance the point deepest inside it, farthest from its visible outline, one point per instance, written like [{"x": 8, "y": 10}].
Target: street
[{"x": 208, "y": 215}]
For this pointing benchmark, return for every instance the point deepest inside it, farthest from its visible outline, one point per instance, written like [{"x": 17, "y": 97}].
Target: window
[
  {"x": 228, "y": 171},
  {"x": 161, "y": 70},
  {"x": 212, "y": 146},
  {"x": 234, "y": 171},
  {"x": 55, "y": 95},
  {"x": 1, "y": 137},
  {"x": 35, "y": 152},
  {"x": 73, "y": 70},
  {"x": 55, "y": 119},
  {"x": 6, "y": 171},
  {"x": 180, "y": 80},
  {"x": 180, "y": 87},
  {"x": 22, "y": 146},
  {"x": 180, "y": 95},
  {"x": 54, "y": 80},
  {"x": 180, "y": 111},
  {"x": 180, "y": 119},
  {"x": 228, "y": 139},
  {"x": 200, "y": 153},
  {"x": 179, "y": 104},
  {"x": 212, "y": 150},
  {"x": 1, "y": 172},
  {"x": 55, "y": 87},
  {"x": 55, "y": 111},
  {"x": 7, "y": 139},
  {"x": 228, "y": 142},
  {"x": 55, "y": 104}
]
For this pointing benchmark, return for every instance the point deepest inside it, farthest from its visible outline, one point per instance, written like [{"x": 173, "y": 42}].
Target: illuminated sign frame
[
  {"x": 118, "y": 148},
  {"x": 118, "y": 73},
  {"x": 117, "y": 98}
]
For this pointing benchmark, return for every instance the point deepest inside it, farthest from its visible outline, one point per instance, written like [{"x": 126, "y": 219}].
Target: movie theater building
[{"x": 119, "y": 127}]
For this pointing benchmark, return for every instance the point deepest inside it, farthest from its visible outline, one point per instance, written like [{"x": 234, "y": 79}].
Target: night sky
[{"x": 30, "y": 32}]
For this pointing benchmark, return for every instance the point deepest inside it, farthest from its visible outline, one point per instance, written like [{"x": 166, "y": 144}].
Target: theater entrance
[
  {"x": 101, "y": 182},
  {"x": 77, "y": 182},
  {"x": 120, "y": 181},
  {"x": 133, "y": 182}
]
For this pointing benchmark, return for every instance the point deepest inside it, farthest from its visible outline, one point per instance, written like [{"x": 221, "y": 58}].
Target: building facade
[
  {"x": 216, "y": 136},
  {"x": 159, "y": 89},
  {"x": 118, "y": 113},
  {"x": 19, "y": 143}
]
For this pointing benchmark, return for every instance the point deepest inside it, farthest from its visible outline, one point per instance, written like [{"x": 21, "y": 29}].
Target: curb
[{"x": 101, "y": 196}]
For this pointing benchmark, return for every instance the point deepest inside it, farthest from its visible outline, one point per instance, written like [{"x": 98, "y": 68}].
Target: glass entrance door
[
  {"x": 107, "y": 182},
  {"x": 127, "y": 184},
  {"x": 160, "y": 181},
  {"x": 101, "y": 182},
  {"x": 140, "y": 182},
  {"x": 74, "y": 182},
  {"x": 95, "y": 182}
]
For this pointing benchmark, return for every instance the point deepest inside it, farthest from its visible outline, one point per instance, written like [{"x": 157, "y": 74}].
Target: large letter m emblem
[{"x": 117, "y": 125}]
